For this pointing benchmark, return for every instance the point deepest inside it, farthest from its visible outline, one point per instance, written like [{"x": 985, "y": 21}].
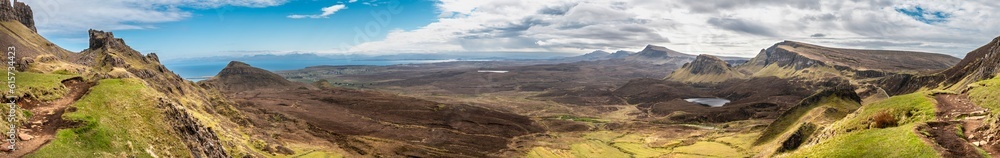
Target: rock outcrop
[
  {"x": 239, "y": 76},
  {"x": 17, "y": 11},
  {"x": 705, "y": 68}
]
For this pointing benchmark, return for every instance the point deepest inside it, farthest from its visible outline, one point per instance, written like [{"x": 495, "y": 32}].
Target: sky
[{"x": 178, "y": 29}]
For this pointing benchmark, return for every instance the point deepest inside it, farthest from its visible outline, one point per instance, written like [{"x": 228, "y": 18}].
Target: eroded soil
[
  {"x": 47, "y": 117},
  {"x": 956, "y": 119}
]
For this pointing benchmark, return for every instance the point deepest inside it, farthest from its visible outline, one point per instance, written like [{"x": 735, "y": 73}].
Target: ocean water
[{"x": 199, "y": 70}]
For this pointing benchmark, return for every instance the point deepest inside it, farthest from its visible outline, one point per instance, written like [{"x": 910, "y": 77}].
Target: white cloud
[
  {"x": 730, "y": 27},
  {"x": 352, "y": 1},
  {"x": 327, "y": 11},
  {"x": 75, "y": 16}
]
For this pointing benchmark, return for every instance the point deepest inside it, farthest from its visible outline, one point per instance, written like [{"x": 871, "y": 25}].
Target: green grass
[
  {"x": 898, "y": 141},
  {"x": 986, "y": 93},
  {"x": 118, "y": 118},
  {"x": 596, "y": 149},
  {"x": 788, "y": 120},
  {"x": 854, "y": 138},
  {"x": 44, "y": 87},
  {"x": 910, "y": 108},
  {"x": 712, "y": 149},
  {"x": 579, "y": 119}
]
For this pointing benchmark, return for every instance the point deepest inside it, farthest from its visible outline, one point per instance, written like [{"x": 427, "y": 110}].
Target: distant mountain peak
[
  {"x": 654, "y": 51},
  {"x": 239, "y": 76}
]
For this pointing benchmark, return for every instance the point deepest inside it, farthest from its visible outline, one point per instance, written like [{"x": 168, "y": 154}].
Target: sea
[{"x": 200, "y": 70}]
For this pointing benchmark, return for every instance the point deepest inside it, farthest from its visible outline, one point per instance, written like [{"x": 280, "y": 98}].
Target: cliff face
[
  {"x": 779, "y": 54},
  {"x": 802, "y": 55},
  {"x": 19, "y": 12},
  {"x": 980, "y": 64},
  {"x": 705, "y": 68}
]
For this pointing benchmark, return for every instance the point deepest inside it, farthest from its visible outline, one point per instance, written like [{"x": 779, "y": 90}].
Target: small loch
[{"x": 711, "y": 102}]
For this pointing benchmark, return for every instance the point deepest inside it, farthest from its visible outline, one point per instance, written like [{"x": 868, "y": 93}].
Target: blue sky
[
  {"x": 203, "y": 28},
  {"x": 234, "y": 30}
]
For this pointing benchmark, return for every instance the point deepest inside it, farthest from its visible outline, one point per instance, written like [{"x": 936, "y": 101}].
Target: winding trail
[
  {"x": 956, "y": 119},
  {"x": 47, "y": 118}
]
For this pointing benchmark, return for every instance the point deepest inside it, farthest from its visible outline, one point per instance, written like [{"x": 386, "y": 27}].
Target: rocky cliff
[
  {"x": 705, "y": 68},
  {"x": 17, "y": 11},
  {"x": 798, "y": 55}
]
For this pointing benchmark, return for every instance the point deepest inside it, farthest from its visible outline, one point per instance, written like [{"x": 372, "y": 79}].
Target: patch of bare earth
[
  {"x": 47, "y": 118},
  {"x": 956, "y": 117}
]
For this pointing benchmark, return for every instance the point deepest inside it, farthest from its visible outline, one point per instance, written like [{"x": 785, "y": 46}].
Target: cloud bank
[{"x": 727, "y": 27}]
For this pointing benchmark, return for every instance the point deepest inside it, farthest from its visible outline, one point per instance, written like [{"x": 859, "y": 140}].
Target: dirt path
[
  {"x": 47, "y": 118},
  {"x": 956, "y": 117}
]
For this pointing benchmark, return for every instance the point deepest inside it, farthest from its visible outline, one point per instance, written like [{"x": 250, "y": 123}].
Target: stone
[{"x": 25, "y": 136}]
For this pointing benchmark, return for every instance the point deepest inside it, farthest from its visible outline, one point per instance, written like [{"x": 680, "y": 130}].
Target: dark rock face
[
  {"x": 980, "y": 64},
  {"x": 783, "y": 57},
  {"x": 801, "y": 55},
  {"x": 239, "y": 76},
  {"x": 202, "y": 141},
  {"x": 100, "y": 39},
  {"x": 707, "y": 64},
  {"x": 18, "y": 12}
]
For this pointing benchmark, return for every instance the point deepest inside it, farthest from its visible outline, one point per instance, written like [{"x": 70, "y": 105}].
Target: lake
[
  {"x": 199, "y": 70},
  {"x": 711, "y": 102}
]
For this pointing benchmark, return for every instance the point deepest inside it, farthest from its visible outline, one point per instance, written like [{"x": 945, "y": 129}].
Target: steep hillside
[
  {"x": 705, "y": 69},
  {"x": 798, "y": 55},
  {"x": 979, "y": 64},
  {"x": 110, "y": 89}
]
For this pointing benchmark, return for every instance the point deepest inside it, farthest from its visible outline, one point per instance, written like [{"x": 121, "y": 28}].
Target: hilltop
[{"x": 705, "y": 68}]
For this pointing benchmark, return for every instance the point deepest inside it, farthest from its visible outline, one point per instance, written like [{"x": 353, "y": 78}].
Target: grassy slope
[
  {"x": 43, "y": 87},
  {"x": 118, "y": 119},
  {"x": 985, "y": 94},
  {"x": 900, "y": 141},
  {"x": 787, "y": 123}
]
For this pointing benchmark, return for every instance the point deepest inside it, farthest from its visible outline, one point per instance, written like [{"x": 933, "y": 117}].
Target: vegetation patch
[
  {"x": 886, "y": 142},
  {"x": 118, "y": 118},
  {"x": 44, "y": 87},
  {"x": 984, "y": 93},
  {"x": 858, "y": 138},
  {"x": 906, "y": 109}
]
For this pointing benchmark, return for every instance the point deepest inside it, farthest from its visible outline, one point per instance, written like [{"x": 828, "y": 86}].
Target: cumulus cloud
[
  {"x": 327, "y": 11},
  {"x": 727, "y": 27},
  {"x": 73, "y": 16}
]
